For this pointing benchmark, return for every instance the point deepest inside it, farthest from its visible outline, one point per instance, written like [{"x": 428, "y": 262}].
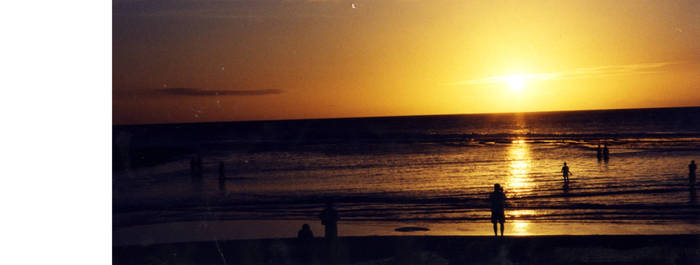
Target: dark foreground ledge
[{"x": 656, "y": 249}]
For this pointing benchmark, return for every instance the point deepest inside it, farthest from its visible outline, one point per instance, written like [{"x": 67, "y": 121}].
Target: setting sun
[{"x": 516, "y": 82}]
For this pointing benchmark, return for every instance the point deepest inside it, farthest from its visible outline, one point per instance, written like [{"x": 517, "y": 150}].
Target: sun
[{"x": 515, "y": 82}]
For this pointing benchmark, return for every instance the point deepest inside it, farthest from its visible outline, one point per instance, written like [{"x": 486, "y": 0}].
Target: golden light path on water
[
  {"x": 520, "y": 163},
  {"x": 520, "y": 227},
  {"x": 518, "y": 181}
]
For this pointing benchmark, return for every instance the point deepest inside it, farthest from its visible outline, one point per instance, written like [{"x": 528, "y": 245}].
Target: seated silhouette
[{"x": 305, "y": 233}]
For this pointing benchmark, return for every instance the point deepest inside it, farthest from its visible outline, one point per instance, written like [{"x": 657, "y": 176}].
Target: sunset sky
[{"x": 222, "y": 60}]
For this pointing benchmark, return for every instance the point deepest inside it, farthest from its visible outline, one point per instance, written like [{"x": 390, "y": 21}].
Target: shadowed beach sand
[
  {"x": 651, "y": 249},
  {"x": 204, "y": 231}
]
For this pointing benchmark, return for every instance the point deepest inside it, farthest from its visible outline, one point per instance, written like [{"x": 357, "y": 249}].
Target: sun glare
[{"x": 516, "y": 82}]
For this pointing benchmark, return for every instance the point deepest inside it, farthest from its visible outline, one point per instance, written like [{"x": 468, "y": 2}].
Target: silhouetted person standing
[
  {"x": 498, "y": 203},
  {"x": 606, "y": 153},
  {"x": 565, "y": 172},
  {"x": 329, "y": 218},
  {"x": 305, "y": 233},
  {"x": 599, "y": 153},
  {"x": 692, "y": 167}
]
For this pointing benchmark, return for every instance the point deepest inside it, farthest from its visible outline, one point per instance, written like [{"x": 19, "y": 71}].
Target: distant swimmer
[
  {"x": 599, "y": 153},
  {"x": 606, "y": 153},
  {"x": 498, "y": 203},
  {"x": 566, "y": 172},
  {"x": 329, "y": 218},
  {"x": 692, "y": 167}
]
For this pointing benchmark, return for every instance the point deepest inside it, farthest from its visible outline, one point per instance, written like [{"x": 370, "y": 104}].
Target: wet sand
[
  {"x": 620, "y": 249},
  {"x": 203, "y": 231}
]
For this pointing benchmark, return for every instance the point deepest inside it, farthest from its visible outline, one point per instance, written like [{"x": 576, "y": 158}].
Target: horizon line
[{"x": 398, "y": 116}]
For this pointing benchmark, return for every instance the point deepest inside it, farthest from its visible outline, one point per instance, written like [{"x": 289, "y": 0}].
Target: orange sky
[{"x": 209, "y": 60}]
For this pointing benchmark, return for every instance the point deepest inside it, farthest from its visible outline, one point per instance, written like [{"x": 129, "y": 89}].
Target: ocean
[{"x": 429, "y": 171}]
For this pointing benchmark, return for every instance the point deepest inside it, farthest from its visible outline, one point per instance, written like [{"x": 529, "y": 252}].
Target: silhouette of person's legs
[
  {"x": 496, "y": 218},
  {"x": 691, "y": 180}
]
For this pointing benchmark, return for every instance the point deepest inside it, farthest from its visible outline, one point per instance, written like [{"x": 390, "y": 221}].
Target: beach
[
  {"x": 629, "y": 249},
  {"x": 205, "y": 231}
]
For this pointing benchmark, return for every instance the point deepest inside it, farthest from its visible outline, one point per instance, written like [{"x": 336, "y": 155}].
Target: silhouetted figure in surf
[
  {"x": 566, "y": 172},
  {"x": 692, "y": 167},
  {"x": 599, "y": 153},
  {"x": 498, "y": 204},
  {"x": 329, "y": 218},
  {"x": 606, "y": 153},
  {"x": 305, "y": 233}
]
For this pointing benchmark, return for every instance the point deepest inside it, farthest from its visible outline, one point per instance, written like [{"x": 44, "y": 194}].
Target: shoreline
[
  {"x": 206, "y": 231},
  {"x": 598, "y": 249}
]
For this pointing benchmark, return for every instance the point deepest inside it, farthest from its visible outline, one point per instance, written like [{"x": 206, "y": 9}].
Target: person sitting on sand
[
  {"x": 565, "y": 172},
  {"x": 498, "y": 201},
  {"x": 305, "y": 233},
  {"x": 691, "y": 173},
  {"x": 329, "y": 218}
]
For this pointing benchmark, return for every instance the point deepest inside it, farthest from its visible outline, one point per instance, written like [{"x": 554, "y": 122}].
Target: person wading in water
[{"x": 566, "y": 172}]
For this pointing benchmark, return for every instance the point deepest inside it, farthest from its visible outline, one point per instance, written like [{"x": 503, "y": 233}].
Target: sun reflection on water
[
  {"x": 519, "y": 213},
  {"x": 520, "y": 228},
  {"x": 520, "y": 163},
  {"x": 519, "y": 180}
]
